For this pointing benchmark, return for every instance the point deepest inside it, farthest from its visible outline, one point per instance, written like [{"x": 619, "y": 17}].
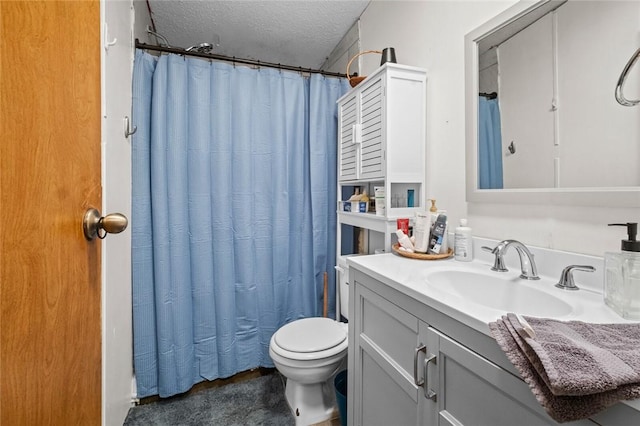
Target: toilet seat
[{"x": 310, "y": 338}]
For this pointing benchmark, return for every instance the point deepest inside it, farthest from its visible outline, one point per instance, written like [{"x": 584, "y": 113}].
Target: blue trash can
[{"x": 340, "y": 383}]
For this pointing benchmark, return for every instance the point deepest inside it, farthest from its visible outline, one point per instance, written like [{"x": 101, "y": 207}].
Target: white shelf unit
[{"x": 381, "y": 142}]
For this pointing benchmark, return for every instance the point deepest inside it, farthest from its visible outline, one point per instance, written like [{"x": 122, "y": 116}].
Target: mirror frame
[{"x": 608, "y": 196}]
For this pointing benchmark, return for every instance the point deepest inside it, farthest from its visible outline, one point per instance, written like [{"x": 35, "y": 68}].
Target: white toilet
[{"x": 309, "y": 352}]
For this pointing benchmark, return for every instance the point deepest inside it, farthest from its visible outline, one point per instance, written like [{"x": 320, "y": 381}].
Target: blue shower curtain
[
  {"x": 233, "y": 216},
  {"x": 489, "y": 144}
]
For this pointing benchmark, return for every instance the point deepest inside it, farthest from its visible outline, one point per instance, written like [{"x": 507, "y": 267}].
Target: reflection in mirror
[{"x": 544, "y": 86}]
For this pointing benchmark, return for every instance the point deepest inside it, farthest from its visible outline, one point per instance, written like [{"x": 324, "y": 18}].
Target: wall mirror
[{"x": 542, "y": 121}]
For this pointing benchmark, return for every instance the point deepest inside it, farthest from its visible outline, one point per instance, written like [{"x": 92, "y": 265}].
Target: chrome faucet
[{"x": 527, "y": 264}]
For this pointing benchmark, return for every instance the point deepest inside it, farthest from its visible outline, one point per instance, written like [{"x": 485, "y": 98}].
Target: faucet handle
[
  {"x": 498, "y": 262},
  {"x": 566, "y": 278}
]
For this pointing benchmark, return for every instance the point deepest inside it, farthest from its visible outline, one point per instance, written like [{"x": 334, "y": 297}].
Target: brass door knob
[{"x": 95, "y": 225}]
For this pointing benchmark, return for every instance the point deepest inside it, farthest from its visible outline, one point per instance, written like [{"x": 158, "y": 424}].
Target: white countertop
[{"x": 409, "y": 276}]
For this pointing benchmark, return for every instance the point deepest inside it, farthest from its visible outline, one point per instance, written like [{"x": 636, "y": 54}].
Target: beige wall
[{"x": 430, "y": 34}]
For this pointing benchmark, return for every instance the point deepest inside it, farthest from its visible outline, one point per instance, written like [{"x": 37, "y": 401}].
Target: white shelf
[
  {"x": 372, "y": 221},
  {"x": 367, "y": 220}
]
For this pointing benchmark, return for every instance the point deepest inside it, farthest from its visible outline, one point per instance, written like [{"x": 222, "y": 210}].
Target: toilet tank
[
  {"x": 342, "y": 301},
  {"x": 343, "y": 287}
]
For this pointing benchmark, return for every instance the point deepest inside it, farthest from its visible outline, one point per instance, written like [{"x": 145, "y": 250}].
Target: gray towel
[{"x": 574, "y": 369}]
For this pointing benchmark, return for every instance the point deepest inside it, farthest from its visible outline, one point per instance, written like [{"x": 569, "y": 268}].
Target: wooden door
[{"x": 50, "y": 334}]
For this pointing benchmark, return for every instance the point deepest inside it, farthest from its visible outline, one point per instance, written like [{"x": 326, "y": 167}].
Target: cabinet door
[
  {"x": 470, "y": 390},
  {"x": 372, "y": 109},
  {"x": 386, "y": 337},
  {"x": 347, "y": 148}
]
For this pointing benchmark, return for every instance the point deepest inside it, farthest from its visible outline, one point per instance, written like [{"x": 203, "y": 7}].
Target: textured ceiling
[{"x": 299, "y": 33}]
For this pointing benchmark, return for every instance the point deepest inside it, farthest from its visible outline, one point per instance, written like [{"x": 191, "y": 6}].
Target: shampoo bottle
[
  {"x": 463, "y": 242},
  {"x": 622, "y": 276}
]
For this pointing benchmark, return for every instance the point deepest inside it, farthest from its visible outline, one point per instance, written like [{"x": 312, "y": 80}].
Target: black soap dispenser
[{"x": 622, "y": 275}]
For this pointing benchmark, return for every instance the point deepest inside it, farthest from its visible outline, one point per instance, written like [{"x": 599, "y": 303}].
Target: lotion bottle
[
  {"x": 421, "y": 231},
  {"x": 463, "y": 242}
]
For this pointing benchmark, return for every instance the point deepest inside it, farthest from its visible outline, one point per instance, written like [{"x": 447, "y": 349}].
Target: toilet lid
[{"x": 310, "y": 335}]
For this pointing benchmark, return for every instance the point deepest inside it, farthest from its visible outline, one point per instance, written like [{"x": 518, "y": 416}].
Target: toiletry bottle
[
  {"x": 434, "y": 212},
  {"x": 404, "y": 241},
  {"x": 463, "y": 242},
  {"x": 403, "y": 225},
  {"x": 444, "y": 248},
  {"x": 421, "y": 231},
  {"x": 378, "y": 192},
  {"x": 363, "y": 206},
  {"x": 438, "y": 235},
  {"x": 410, "y": 197},
  {"x": 622, "y": 275}
]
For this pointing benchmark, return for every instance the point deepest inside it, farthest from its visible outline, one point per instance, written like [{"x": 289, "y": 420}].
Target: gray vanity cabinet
[
  {"x": 385, "y": 340},
  {"x": 393, "y": 380}
]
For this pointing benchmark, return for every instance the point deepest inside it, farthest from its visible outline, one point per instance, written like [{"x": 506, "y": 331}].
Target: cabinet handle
[
  {"x": 356, "y": 134},
  {"x": 421, "y": 348},
  {"x": 428, "y": 393}
]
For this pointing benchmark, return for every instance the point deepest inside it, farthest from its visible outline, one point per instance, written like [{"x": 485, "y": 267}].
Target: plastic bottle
[
  {"x": 421, "y": 231},
  {"x": 404, "y": 241},
  {"x": 463, "y": 242},
  {"x": 622, "y": 276},
  {"x": 378, "y": 192}
]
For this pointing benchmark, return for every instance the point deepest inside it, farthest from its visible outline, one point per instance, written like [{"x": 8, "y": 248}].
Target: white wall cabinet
[
  {"x": 381, "y": 142},
  {"x": 381, "y": 134},
  {"x": 409, "y": 364}
]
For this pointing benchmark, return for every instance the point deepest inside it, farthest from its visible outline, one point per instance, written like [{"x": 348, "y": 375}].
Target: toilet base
[{"x": 310, "y": 403}]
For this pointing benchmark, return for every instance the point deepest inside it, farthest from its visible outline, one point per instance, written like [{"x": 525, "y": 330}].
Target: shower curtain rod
[
  {"x": 181, "y": 51},
  {"x": 492, "y": 95}
]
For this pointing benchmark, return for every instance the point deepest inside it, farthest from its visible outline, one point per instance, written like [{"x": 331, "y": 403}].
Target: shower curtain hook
[{"x": 127, "y": 129}]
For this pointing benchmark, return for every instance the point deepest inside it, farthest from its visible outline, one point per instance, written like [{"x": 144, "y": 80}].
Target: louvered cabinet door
[
  {"x": 347, "y": 146},
  {"x": 371, "y": 165}
]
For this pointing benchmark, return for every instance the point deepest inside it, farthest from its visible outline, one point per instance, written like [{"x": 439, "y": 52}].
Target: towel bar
[{"x": 619, "y": 96}]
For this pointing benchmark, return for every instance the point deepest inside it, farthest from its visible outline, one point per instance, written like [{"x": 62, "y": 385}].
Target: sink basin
[{"x": 499, "y": 292}]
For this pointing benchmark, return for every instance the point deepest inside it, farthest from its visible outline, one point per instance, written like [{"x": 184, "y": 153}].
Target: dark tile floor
[{"x": 257, "y": 401}]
